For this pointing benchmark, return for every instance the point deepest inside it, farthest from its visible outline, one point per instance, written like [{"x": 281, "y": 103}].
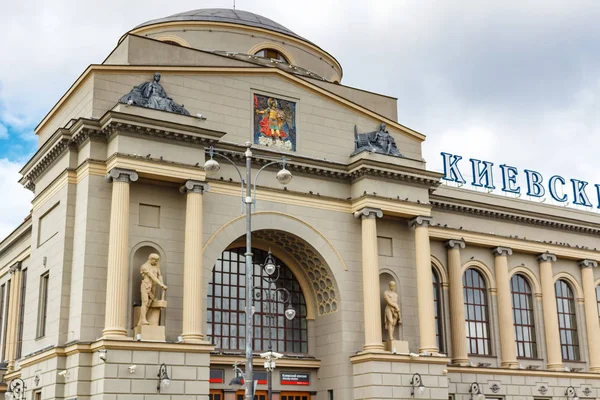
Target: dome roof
[{"x": 225, "y": 15}]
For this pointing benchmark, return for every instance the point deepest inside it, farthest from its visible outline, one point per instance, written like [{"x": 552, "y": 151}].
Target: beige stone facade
[{"x": 344, "y": 227}]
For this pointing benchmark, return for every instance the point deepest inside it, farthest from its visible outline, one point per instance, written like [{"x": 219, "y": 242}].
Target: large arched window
[
  {"x": 226, "y": 301},
  {"x": 271, "y": 53},
  {"x": 437, "y": 307},
  {"x": 567, "y": 320},
  {"x": 522, "y": 303},
  {"x": 476, "y": 313}
]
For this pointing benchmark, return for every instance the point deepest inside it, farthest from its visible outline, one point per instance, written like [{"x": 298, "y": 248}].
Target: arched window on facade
[
  {"x": 226, "y": 317},
  {"x": 476, "y": 313},
  {"x": 522, "y": 303},
  {"x": 437, "y": 306},
  {"x": 567, "y": 320},
  {"x": 271, "y": 53}
]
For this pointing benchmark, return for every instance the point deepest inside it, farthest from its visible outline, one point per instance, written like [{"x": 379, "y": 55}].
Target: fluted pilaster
[
  {"x": 591, "y": 312},
  {"x": 118, "y": 272},
  {"x": 424, "y": 285},
  {"x": 370, "y": 267},
  {"x": 193, "y": 261},
  {"x": 553, "y": 352},
  {"x": 13, "y": 316},
  {"x": 457, "y": 303},
  {"x": 508, "y": 348}
]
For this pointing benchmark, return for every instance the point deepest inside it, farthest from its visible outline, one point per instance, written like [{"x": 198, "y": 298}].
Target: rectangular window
[
  {"x": 48, "y": 225},
  {"x": 21, "y": 314},
  {"x": 330, "y": 394},
  {"x": 37, "y": 395},
  {"x": 215, "y": 395},
  {"x": 43, "y": 305},
  {"x": 7, "y": 307}
]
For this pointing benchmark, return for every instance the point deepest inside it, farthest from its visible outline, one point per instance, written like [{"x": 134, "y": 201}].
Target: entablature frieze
[
  {"x": 110, "y": 124},
  {"x": 511, "y": 216},
  {"x": 516, "y": 244}
]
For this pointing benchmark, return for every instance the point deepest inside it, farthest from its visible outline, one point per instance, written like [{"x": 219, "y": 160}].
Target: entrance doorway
[
  {"x": 295, "y": 396},
  {"x": 259, "y": 395},
  {"x": 215, "y": 395}
]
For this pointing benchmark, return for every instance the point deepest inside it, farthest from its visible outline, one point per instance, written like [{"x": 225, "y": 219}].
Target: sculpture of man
[
  {"x": 151, "y": 277},
  {"x": 392, "y": 310},
  {"x": 385, "y": 142}
]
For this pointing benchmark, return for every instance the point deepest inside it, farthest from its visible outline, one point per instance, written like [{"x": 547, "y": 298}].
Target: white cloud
[
  {"x": 3, "y": 132},
  {"x": 16, "y": 200}
]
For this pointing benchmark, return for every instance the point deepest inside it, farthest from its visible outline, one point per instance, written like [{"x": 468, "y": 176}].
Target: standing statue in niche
[
  {"x": 376, "y": 142},
  {"x": 153, "y": 95},
  {"x": 151, "y": 277},
  {"x": 393, "y": 316}
]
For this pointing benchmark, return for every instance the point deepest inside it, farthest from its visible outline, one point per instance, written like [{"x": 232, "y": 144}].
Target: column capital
[
  {"x": 15, "y": 267},
  {"x": 368, "y": 212},
  {"x": 502, "y": 251},
  {"x": 421, "y": 220},
  {"x": 121, "y": 175},
  {"x": 546, "y": 257},
  {"x": 456, "y": 244},
  {"x": 193, "y": 186},
  {"x": 588, "y": 264}
]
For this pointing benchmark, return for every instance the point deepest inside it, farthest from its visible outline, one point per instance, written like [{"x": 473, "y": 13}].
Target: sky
[{"x": 511, "y": 82}]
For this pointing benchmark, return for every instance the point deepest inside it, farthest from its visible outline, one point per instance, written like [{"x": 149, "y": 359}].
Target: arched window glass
[
  {"x": 437, "y": 307},
  {"x": 567, "y": 320},
  {"x": 226, "y": 317},
  {"x": 476, "y": 313},
  {"x": 271, "y": 53},
  {"x": 522, "y": 303}
]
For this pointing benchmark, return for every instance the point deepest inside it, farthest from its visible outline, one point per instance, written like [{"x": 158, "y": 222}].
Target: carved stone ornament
[
  {"x": 587, "y": 391},
  {"x": 376, "y": 142},
  {"x": 494, "y": 388},
  {"x": 153, "y": 95},
  {"x": 543, "y": 389}
]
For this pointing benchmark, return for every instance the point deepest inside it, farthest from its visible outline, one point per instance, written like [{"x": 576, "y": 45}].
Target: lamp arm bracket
[{"x": 282, "y": 161}]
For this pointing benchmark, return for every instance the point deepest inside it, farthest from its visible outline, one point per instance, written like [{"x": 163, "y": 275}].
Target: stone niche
[
  {"x": 154, "y": 331},
  {"x": 398, "y": 345}
]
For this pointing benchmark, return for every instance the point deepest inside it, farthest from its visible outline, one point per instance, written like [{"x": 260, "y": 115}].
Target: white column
[
  {"x": 591, "y": 313},
  {"x": 370, "y": 267},
  {"x": 117, "y": 280},
  {"x": 424, "y": 285},
  {"x": 508, "y": 347},
  {"x": 192, "y": 260}
]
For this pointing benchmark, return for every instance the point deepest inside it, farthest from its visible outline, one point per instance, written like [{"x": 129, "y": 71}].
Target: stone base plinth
[
  {"x": 150, "y": 332},
  {"x": 397, "y": 346}
]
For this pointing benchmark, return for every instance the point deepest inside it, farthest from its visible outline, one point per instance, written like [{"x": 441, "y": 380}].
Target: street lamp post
[
  {"x": 284, "y": 177},
  {"x": 272, "y": 297}
]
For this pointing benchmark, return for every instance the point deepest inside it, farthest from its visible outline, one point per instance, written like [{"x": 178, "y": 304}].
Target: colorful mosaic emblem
[{"x": 274, "y": 122}]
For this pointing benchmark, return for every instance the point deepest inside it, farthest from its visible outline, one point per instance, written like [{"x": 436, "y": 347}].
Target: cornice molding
[
  {"x": 110, "y": 124},
  {"x": 512, "y": 217}
]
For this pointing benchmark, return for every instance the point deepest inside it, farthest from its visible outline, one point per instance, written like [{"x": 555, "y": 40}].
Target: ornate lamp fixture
[
  {"x": 475, "y": 392},
  {"x": 416, "y": 383},
  {"x": 571, "y": 393},
  {"x": 16, "y": 390},
  {"x": 163, "y": 378}
]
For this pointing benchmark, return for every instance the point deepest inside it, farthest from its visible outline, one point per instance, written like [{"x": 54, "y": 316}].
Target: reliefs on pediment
[
  {"x": 376, "y": 142},
  {"x": 153, "y": 95}
]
